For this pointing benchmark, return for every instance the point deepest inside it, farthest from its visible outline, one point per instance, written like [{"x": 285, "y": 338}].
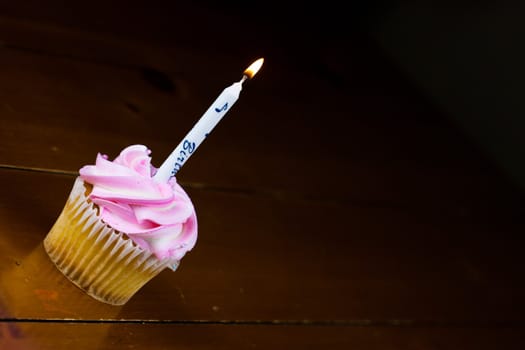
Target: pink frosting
[{"x": 157, "y": 216}]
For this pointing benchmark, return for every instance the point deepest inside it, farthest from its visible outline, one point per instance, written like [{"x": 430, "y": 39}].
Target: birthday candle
[{"x": 204, "y": 126}]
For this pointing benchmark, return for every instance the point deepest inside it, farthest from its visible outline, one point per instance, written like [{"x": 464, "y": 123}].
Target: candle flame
[{"x": 254, "y": 68}]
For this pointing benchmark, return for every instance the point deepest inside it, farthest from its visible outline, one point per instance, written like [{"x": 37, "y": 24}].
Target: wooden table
[{"x": 338, "y": 208}]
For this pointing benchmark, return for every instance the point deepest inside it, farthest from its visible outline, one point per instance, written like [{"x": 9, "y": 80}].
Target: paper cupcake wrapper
[{"x": 103, "y": 262}]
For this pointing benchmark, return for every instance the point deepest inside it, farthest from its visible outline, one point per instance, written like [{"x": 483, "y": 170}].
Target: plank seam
[{"x": 329, "y": 323}]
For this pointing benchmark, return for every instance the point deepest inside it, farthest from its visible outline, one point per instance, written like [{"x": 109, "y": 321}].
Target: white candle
[{"x": 204, "y": 126}]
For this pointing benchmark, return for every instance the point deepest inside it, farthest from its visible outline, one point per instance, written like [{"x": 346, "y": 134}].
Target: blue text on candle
[
  {"x": 223, "y": 108},
  {"x": 187, "y": 148}
]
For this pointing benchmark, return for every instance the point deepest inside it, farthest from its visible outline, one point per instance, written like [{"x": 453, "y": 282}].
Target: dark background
[
  {"x": 362, "y": 193},
  {"x": 466, "y": 57}
]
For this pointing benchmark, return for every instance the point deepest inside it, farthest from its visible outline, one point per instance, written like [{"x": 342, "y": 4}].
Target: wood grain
[
  {"x": 338, "y": 207},
  {"x": 259, "y": 258},
  {"x": 285, "y": 137},
  {"x": 23, "y": 335}
]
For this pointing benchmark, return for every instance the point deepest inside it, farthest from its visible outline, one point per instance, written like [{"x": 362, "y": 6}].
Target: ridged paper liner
[{"x": 103, "y": 262}]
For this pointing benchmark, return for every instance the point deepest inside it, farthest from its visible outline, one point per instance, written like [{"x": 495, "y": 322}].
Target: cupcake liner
[{"x": 103, "y": 262}]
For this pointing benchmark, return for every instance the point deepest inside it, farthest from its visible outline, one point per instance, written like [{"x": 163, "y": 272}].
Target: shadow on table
[{"x": 33, "y": 288}]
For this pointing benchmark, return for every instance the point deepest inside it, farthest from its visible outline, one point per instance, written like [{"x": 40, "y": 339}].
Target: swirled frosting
[{"x": 158, "y": 216}]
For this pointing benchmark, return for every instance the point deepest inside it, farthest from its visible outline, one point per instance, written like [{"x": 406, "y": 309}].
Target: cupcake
[{"x": 120, "y": 227}]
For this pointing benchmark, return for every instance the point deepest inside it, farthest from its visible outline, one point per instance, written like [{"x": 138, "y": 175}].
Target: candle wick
[{"x": 244, "y": 78}]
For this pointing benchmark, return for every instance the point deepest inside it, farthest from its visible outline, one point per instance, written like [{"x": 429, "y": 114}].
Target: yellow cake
[
  {"x": 157, "y": 227},
  {"x": 101, "y": 261}
]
